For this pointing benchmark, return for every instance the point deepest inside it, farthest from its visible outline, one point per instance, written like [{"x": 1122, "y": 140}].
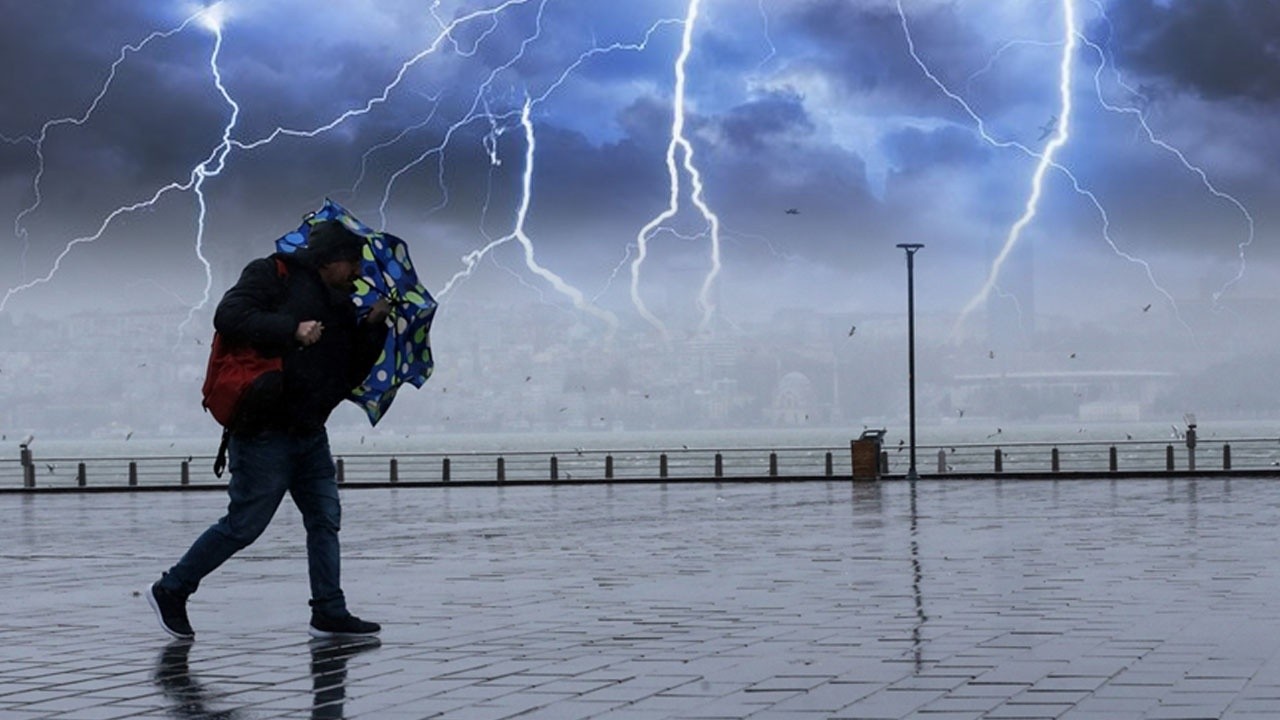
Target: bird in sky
[
  {"x": 1072, "y": 356},
  {"x": 997, "y": 432},
  {"x": 128, "y": 435},
  {"x": 793, "y": 211},
  {"x": 1048, "y": 128},
  {"x": 1146, "y": 307},
  {"x": 852, "y": 330},
  {"x": 991, "y": 354}
]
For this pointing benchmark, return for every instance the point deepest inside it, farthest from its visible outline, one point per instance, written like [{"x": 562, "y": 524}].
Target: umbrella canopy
[{"x": 387, "y": 272}]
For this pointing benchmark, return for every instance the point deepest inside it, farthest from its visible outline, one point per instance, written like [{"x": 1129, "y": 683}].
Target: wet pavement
[{"x": 945, "y": 600}]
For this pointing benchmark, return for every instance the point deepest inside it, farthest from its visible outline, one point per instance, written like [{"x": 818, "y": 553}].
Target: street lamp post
[{"x": 911, "y": 249}]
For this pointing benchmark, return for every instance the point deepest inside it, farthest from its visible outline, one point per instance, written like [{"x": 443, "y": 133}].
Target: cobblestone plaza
[{"x": 938, "y": 600}]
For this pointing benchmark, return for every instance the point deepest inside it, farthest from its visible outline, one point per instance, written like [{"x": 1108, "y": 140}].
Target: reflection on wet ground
[{"x": 936, "y": 599}]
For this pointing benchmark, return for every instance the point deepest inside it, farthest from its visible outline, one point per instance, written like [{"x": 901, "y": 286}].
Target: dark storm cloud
[
  {"x": 750, "y": 127},
  {"x": 1223, "y": 49},
  {"x": 863, "y": 47},
  {"x": 914, "y": 149},
  {"x": 45, "y": 55}
]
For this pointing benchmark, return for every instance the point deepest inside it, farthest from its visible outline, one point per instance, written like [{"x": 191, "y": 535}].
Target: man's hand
[
  {"x": 308, "y": 332},
  {"x": 378, "y": 312}
]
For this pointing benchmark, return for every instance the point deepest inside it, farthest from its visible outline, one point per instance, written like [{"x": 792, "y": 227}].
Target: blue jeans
[{"x": 263, "y": 467}]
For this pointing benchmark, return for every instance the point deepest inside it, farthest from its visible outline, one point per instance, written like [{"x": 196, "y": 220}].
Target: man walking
[{"x": 296, "y": 307}]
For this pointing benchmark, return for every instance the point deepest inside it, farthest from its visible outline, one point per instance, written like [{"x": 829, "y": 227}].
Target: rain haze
[{"x": 661, "y": 215}]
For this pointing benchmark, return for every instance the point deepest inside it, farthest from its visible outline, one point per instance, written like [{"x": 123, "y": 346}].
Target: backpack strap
[{"x": 220, "y": 462}]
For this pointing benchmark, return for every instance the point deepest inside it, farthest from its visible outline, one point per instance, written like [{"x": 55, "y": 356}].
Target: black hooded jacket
[{"x": 263, "y": 310}]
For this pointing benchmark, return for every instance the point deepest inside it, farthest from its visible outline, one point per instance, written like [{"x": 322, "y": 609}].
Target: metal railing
[
  {"x": 675, "y": 465},
  {"x": 1251, "y": 454}
]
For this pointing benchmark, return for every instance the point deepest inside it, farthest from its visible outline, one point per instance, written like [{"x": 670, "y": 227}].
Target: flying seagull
[
  {"x": 1146, "y": 307},
  {"x": 1048, "y": 128},
  {"x": 793, "y": 211}
]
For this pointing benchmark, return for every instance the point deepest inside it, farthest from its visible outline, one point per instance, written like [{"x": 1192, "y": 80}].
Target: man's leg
[
  {"x": 315, "y": 492},
  {"x": 260, "y": 470}
]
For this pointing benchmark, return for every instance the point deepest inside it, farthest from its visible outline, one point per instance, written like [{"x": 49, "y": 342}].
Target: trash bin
[{"x": 866, "y": 455}]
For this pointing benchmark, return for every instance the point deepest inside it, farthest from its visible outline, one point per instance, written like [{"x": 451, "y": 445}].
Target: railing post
[
  {"x": 884, "y": 462},
  {"x": 555, "y": 468},
  {"x": 1114, "y": 459},
  {"x": 444, "y": 470},
  {"x": 1168, "y": 458},
  {"x": 719, "y": 465},
  {"x": 999, "y": 461},
  {"x": 773, "y": 464},
  {"x": 942, "y": 461},
  {"x": 830, "y": 464},
  {"x": 185, "y": 474},
  {"x": 28, "y": 467},
  {"x": 394, "y": 470},
  {"x": 502, "y": 470},
  {"x": 133, "y": 473},
  {"x": 1226, "y": 456},
  {"x": 1055, "y": 462},
  {"x": 662, "y": 465},
  {"x": 342, "y": 470},
  {"x": 608, "y": 467}
]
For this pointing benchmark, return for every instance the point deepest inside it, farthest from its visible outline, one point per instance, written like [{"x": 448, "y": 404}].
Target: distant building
[{"x": 793, "y": 400}]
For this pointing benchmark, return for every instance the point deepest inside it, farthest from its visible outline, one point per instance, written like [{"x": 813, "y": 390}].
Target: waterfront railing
[{"x": 681, "y": 464}]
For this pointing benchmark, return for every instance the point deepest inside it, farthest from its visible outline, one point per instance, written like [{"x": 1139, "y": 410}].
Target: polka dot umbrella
[{"x": 387, "y": 272}]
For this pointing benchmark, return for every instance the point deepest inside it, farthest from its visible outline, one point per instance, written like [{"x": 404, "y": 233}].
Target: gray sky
[{"x": 819, "y": 141}]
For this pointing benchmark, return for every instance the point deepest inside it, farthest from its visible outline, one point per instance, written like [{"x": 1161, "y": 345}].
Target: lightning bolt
[
  {"x": 446, "y": 33},
  {"x": 681, "y": 143},
  {"x": 211, "y": 18},
  {"x": 1044, "y": 162},
  {"x": 472, "y": 259},
  {"x": 519, "y": 235},
  {"x": 19, "y": 230},
  {"x": 1199, "y": 172},
  {"x": 216, "y": 160}
]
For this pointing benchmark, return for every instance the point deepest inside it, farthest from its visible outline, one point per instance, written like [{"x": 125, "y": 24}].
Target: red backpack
[{"x": 232, "y": 370}]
